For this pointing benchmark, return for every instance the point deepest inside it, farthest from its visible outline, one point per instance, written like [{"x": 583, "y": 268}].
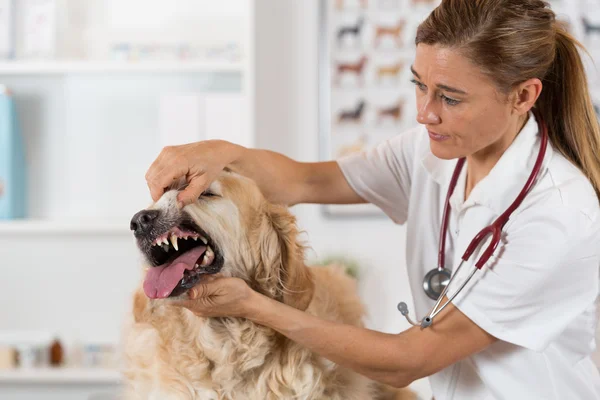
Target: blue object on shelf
[{"x": 13, "y": 174}]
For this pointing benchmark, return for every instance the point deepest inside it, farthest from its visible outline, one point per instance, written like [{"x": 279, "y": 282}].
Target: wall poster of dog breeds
[
  {"x": 365, "y": 52},
  {"x": 366, "y": 49}
]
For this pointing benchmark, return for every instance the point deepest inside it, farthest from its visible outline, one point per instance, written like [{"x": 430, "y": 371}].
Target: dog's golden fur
[{"x": 171, "y": 353}]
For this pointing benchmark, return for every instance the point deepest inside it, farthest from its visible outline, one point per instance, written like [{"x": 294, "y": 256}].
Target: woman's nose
[{"x": 426, "y": 115}]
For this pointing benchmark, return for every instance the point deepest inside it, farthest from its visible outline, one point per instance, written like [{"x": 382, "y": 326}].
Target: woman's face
[{"x": 464, "y": 113}]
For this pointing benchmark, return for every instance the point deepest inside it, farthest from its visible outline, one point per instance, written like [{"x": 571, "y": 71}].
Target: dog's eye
[{"x": 208, "y": 193}]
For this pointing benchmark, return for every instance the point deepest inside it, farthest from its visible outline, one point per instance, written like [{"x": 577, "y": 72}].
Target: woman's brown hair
[{"x": 516, "y": 40}]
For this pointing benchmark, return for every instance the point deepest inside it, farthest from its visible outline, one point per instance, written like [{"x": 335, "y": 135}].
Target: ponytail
[{"x": 566, "y": 107}]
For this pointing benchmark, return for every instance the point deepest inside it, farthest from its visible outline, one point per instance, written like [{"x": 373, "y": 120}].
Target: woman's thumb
[
  {"x": 191, "y": 193},
  {"x": 201, "y": 290}
]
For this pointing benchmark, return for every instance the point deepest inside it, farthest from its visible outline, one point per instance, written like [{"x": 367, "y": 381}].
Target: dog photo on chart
[{"x": 350, "y": 34}]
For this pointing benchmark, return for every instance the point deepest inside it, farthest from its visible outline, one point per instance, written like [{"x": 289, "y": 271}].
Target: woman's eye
[
  {"x": 450, "y": 101},
  {"x": 419, "y": 84}
]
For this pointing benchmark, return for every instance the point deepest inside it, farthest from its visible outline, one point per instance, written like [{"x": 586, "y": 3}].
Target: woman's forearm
[
  {"x": 286, "y": 181},
  {"x": 278, "y": 177},
  {"x": 382, "y": 357}
]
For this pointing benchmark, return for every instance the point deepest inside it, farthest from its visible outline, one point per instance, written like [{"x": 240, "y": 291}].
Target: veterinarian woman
[{"x": 523, "y": 326}]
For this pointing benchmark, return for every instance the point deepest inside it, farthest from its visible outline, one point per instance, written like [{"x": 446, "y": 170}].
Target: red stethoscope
[{"x": 437, "y": 281}]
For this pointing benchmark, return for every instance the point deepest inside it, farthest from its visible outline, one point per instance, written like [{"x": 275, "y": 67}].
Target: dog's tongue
[{"x": 160, "y": 281}]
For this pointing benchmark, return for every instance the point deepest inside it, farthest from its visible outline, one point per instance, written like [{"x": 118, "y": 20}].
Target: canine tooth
[
  {"x": 203, "y": 239},
  {"x": 209, "y": 257},
  {"x": 174, "y": 241}
]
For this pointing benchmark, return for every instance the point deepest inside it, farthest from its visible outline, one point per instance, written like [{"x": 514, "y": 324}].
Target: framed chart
[
  {"x": 365, "y": 52},
  {"x": 366, "y": 48}
]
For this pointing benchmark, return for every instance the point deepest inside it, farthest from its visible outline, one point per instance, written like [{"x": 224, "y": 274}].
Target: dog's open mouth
[{"x": 180, "y": 257}]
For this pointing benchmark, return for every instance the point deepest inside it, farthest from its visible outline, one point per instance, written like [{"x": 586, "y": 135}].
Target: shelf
[
  {"x": 28, "y": 226},
  {"x": 68, "y": 67},
  {"x": 60, "y": 375}
]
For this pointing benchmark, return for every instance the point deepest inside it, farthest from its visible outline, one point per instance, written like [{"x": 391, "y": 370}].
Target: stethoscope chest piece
[{"x": 435, "y": 282}]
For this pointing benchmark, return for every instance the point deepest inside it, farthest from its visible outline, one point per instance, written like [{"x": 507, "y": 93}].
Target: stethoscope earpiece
[{"x": 403, "y": 308}]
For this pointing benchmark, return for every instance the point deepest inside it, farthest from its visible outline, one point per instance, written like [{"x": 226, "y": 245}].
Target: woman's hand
[
  {"x": 216, "y": 296},
  {"x": 200, "y": 163}
]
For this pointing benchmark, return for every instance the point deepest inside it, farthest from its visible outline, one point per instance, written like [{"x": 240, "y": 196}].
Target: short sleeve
[
  {"x": 543, "y": 277},
  {"x": 382, "y": 175}
]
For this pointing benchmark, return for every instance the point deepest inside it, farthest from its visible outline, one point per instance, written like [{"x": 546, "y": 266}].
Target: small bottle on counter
[
  {"x": 56, "y": 353},
  {"x": 8, "y": 357}
]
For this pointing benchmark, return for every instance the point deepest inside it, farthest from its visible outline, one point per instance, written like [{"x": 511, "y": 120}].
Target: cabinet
[{"x": 91, "y": 121}]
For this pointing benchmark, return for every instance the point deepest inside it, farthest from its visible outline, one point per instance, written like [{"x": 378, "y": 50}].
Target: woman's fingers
[
  {"x": 198, "y": 163},
  {"x": 196, "y": 186},
  {"x": 204, "y": 288},
  {"x": 163, "y": 172},
  {"x": 199, "y": 298}
]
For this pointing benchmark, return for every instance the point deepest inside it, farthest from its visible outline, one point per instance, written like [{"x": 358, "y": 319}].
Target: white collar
[{"x": 506, "y": 179}]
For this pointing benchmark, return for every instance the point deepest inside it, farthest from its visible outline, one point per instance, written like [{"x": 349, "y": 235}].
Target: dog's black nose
[{"x": 143, "y": 221}]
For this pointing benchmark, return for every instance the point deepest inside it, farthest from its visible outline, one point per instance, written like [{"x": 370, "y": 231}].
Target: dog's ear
[{"x": 281, "y": 270}]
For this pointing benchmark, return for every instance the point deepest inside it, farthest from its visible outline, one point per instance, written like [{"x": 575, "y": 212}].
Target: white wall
[{"x": 287, "y": 121}]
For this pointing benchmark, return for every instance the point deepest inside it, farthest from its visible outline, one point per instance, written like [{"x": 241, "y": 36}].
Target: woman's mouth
[{"x": 437, "y": 137}]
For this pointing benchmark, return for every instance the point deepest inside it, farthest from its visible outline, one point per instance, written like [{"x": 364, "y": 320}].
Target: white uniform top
[{"x": 536, "y": 294}]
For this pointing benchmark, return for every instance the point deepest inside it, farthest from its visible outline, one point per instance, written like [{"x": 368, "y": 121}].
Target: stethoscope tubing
[{"x": 494, "y": 229}]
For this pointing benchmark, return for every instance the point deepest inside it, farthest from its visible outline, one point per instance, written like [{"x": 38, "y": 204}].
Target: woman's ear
[
  {"x": 281, "y": 270},
  {"x": 526, "y": 94}
]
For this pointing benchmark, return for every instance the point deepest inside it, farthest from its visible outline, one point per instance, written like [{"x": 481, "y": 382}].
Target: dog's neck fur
[{"x": 254, "y": 348}]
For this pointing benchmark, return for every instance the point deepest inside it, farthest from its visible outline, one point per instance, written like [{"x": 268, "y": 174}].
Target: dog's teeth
[
  {"x": 165, "y": 241},
  {"x": 203, "y": 239},
  {"x": 196, "y": 266},
  {"x": 209, "y": 256},
  {"x": 195, "y": 238},
  {"x": 174, "y": 242},
  {"x": 165, "y": 247}
]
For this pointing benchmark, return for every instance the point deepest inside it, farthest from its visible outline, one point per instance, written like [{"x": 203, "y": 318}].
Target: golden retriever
[{"x": 170, "y": 353}]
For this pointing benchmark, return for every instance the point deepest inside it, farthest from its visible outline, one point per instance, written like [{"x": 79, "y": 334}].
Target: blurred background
[{"x": 91, "y": 90}]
